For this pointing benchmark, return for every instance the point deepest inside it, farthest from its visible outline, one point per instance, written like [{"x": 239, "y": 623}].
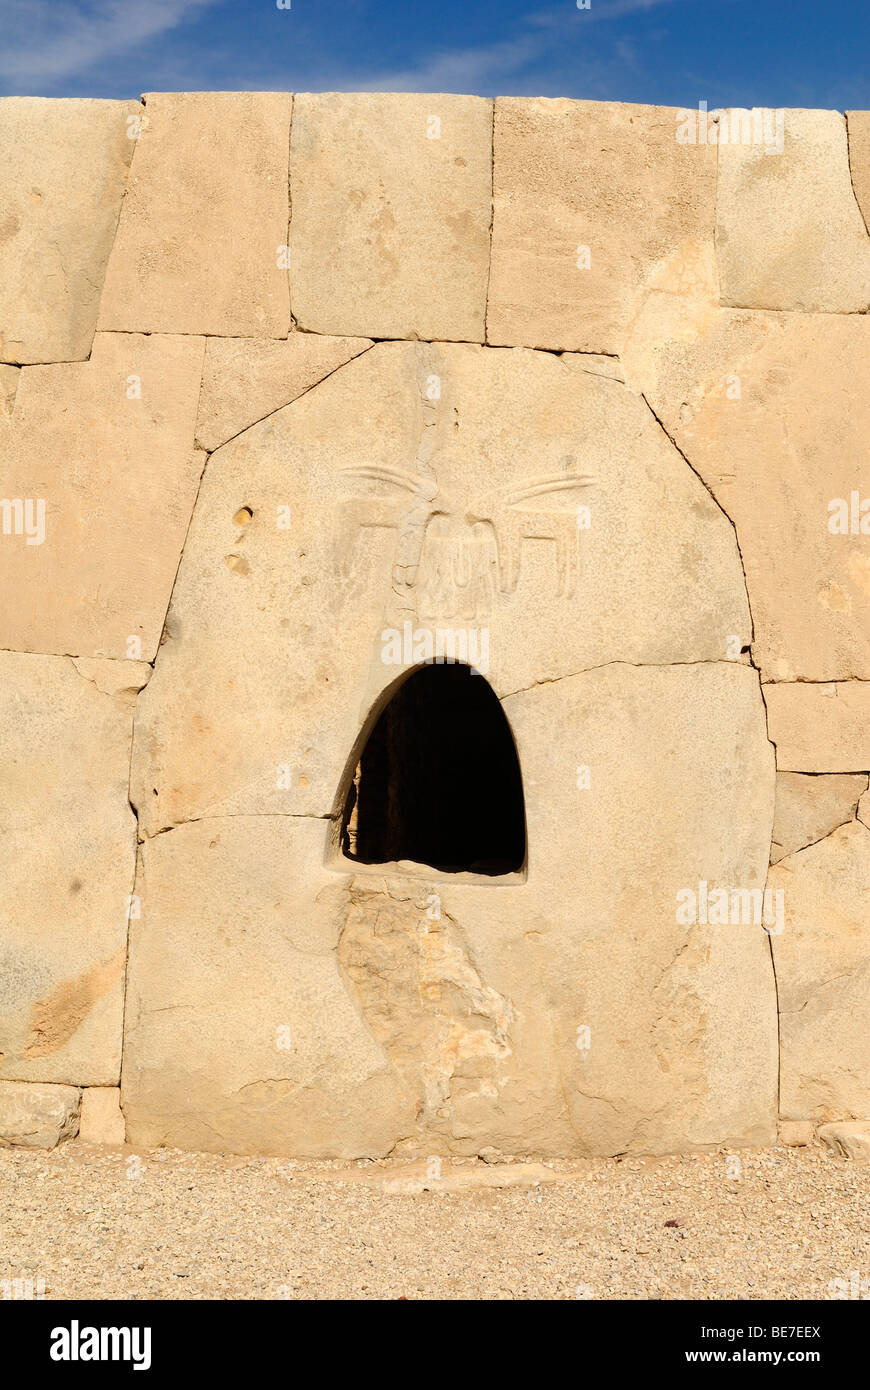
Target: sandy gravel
[{"x": 203, "y": 1226}]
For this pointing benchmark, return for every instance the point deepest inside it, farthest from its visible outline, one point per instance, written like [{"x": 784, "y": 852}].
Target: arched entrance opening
[{"x": 438, "y": 780}]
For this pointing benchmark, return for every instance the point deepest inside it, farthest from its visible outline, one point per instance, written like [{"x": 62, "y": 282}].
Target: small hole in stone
[{"x": 242, "y": 516}]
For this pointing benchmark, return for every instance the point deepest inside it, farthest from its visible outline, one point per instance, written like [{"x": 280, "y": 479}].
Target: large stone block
[
  {"x": 789, "y": 232},
  {"x": 858, "y": 125},
  {"x": 239, "y": 1032},
  {"x": 820, "y": 728},
  {"x": 367, "y": 504},
  {"x": 37, "y": 1117},
  {"x": 607, "y": 178},
  {"x": 67, "y": 860},
  {"x": 822, "y": 963},
  {"x": 201, "y": 245},
  {"x": 808, "y": 808},
  {"x": 246, "y": 379},
  {"x": 63, "y": 168},
  {"x": 391, "y": 200},
  {"x": 104, "y": 451},
  {"x": 773, "y": 411},
  {"x": 441, "y": 487}
]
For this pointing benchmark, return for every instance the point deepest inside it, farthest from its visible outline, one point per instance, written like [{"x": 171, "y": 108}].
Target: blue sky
[{"x": 674, "y": 52}]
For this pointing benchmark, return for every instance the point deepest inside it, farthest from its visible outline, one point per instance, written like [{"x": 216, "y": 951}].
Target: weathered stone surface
[
  {"x": 773, "y": 411},
  {"x": 858, "y": 127},
  {"x": 201, "y": 245},
  {"x": 823, "y": 977},
  {"x": 67, "y": 858},
  {"x": 246, "y": 379},
  {"x": 391, "y": 202},
  {"x": 117, "y": 473},
  {"x": 101, "y": 1120},
  {"x": 499, "y": 1176},
  {"x": 850, "y": 1139},
  {"x": 607, "y": 176},
  {"x": 789, "y": 233},
  {"x": 458, "y": 1033},
  {"x": 863, "y": 811},
  {"x": 63, "y": 167},
  {"x": 820, "y": 728},
  {"x": 8, "y": 387},
  {"x": 239, "y": 1032},
  {"x": 275, "y": 652},
  {"x": 809, "y": 808},
  {"x": 796, "y": 1133},
  {"x": 37, "y": 1117}
]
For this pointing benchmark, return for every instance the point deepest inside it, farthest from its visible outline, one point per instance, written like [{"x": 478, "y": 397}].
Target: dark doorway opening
[{"x": 438, "y": 781}]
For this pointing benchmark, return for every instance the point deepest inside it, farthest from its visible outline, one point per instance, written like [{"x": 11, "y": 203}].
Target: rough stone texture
[
  {"x": 8, "y": 388},
  {"x": 118, "y": 477},
  {"x": 820, "y": 728},
  {"x": 101, "y": 1120},
  {"x": 609, "y": 176},
  {"x": 809, "y": 808},
  {"x": 773, "y": 411},
  {"x": 37, "y": 1117},
  {"x": 63, "y": 167},
  {"x": 863, "y": 812},
  {"x": 850, "y": 1138},
  {"x": 231, "y": 948},
  {"x": 395, "y": 494},
  {"x": 464, "y": 1029},
  {"x": 67, "y": 859},
  {"x": 390, "y": 227},
  {"x": 822, "y": 966},
  {"x": 858, "y": 126},
  {"x": 204, "y": 223},
  {"x": 796, "y": 1134},
  {"x": 789, "y": 233},
  {"x": 246, "y": 379}
]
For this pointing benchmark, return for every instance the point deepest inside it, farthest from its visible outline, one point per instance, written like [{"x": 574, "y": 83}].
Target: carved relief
[{"x": 449, "y": 558}]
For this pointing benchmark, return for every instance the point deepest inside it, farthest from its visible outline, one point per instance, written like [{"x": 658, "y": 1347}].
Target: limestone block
[
  {"x": 360, "y": 507},
  {"x": 773, "y": 411},
  {"x": 63, "y": 168},
  {"x": 796, "y": 1133},
  {"x": 240, "y": 1035},
  {"x": 809, "y": 808},
  {"x": 374, "y": 1023},
  {"x": 820, "y": 728},
  {"x": 858, "y": 126},
  {"x": 609, "y": 178},
  {"x": 789, "y": 233},
  {"x": 106, "y": 448},
  {"x": 37, "y": 1117},
  {"x": 101, "y": 1120},
  {"x": 246, "y": 379},
  {"x": 849, "y": 1138},
  {"x": 391, "y": 200},
  {"x": 201, "y": 245},
  {"x": 863, "y": 811},
  {"x": 67, "y": 860},
  {"x": 8, "y": 387},
  {"x": 822, "y": 965}
]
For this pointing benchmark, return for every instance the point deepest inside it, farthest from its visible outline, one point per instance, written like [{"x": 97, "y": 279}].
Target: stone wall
[{"x": 283, "y": 374}]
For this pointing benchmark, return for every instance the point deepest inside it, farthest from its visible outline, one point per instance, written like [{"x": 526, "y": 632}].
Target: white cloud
[{"x": 44, "y": 40}]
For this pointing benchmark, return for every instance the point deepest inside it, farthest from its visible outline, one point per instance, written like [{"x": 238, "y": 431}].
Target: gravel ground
[{"x": 104, "y": 1223}]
